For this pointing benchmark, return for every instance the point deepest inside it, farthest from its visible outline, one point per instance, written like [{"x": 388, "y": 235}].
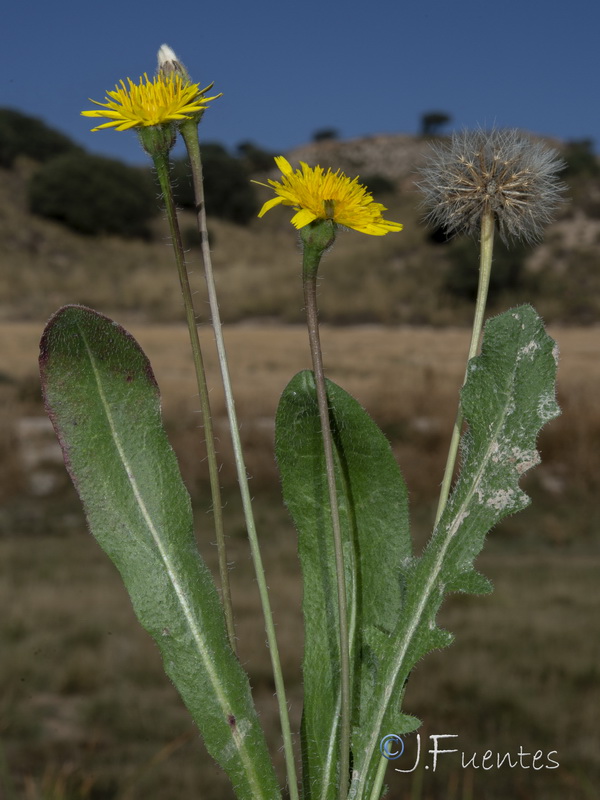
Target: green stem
[
  {"x": 378, "y": 782},
  {"x": 485, "y": 268},
  {"x": 161, "y": 163},
  {"x": 189, "y": 133},
  {"x": 310, "y": 298}
]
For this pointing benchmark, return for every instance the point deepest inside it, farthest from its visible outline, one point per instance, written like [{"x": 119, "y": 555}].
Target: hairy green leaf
[
  {"x": 372, "y": 500},
  {"x": 509, "y": 394},
  {"x": 103, "y": 400}
]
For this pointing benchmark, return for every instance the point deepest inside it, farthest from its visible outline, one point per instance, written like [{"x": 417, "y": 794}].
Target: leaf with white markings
[{"x": 508, "y": 396}]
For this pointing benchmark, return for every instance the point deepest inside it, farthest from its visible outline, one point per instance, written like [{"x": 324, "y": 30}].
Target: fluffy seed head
[{"x": 502, "y": 171}]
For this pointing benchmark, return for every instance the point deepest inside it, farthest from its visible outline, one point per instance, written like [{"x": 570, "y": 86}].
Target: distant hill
[{"x": 408, "y": 278}]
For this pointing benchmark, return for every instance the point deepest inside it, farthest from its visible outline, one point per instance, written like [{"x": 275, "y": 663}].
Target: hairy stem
[
  {"x": 310, "y": 298},
  {"x": 485, "y": 268},
  {"x": 378, "y": 782},
  {"x": 161, "y": 164},
  {"x": 189, "y": 133}
]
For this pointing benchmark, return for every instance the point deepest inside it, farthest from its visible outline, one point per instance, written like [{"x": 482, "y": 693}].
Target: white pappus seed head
[{"x": 502, "y": 171}]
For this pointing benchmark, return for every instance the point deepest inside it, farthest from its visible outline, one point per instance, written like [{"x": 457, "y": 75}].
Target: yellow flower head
[
  {"x": 316, "y": 194},
  {"x": 153, "y": 102}
]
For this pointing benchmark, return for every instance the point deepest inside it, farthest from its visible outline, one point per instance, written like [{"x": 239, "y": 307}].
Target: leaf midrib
[{"x": 179, "y": 591}]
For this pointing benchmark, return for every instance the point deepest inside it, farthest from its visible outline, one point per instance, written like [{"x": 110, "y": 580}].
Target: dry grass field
[
  {"x": 85, "y": 710},
  {"x": 406, "y": 377}
]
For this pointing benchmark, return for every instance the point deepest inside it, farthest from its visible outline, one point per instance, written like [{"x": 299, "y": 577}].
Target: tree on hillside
[
  {"x": 325, "y": 134},
  {"x": 432, "y": 121}
]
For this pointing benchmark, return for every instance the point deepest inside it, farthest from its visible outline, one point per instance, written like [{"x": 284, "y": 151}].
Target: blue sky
[{"x": 287, "y": 69}]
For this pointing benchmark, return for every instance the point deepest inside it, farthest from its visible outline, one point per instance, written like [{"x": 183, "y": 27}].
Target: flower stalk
[
  {"x": 322, "y": 201},
  {"x": 152, "y": 108},
  {"x": 161, "y": 164},
  {"x": 485, "y": 269},
  {"x": 316, "y": 238},
  {"x": 189, "y": 133}
]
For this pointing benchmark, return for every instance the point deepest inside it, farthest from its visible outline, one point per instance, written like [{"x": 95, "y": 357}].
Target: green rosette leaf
[
  {"x": 373, "y": 508},
  {"x": 104, "y": 403}
]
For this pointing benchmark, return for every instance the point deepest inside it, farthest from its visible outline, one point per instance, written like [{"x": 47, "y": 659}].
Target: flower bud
[{"x": 169, "y": 64}]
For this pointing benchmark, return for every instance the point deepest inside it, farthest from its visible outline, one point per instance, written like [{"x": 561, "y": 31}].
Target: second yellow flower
[{"x": 316, "y": 194}]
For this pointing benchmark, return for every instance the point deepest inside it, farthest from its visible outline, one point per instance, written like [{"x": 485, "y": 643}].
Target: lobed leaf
[{"x": 509, "y": 394}]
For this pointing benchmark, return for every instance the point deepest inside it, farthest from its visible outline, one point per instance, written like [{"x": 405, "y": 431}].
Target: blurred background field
[{"x": 85, "y": 709}]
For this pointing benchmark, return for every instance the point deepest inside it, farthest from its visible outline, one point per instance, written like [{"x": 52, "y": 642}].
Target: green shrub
[
  {"x": 94, "y": 195},
  {"x": 24, "y": 135},
  {"x": 228, "y": 192},
  {"x": 254, "y": 158},
  {"x": 580, "y": 159},
  {"x": 582, "y": 173}
]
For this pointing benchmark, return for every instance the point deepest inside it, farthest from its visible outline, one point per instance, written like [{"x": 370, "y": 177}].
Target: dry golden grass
[{"x": 407, "y": 378}]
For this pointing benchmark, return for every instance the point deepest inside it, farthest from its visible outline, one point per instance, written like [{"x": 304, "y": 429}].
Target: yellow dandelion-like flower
[
  {"x": 316, "y": 194},
  {"x": 153, "y": 102}
]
